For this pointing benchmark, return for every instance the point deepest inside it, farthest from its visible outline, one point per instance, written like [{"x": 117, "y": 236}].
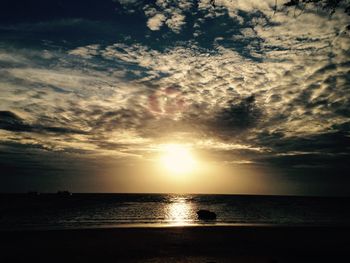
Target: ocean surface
[{"x": 61, "y": 211}]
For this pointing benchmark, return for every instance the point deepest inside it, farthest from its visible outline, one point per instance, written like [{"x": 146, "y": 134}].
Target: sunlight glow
[
  {"x": 179, "y": 212},
  {"x": 177, "y": 159}
]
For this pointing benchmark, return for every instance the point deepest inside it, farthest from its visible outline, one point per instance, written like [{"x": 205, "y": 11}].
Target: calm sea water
[{"x": 52, "y": 211}]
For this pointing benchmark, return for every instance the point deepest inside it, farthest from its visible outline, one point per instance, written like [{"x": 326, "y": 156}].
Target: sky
[{"x": 93, "y": 91}]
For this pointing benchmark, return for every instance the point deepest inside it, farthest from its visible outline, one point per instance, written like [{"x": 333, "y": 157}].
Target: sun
[{"x": 177, "y": 159}]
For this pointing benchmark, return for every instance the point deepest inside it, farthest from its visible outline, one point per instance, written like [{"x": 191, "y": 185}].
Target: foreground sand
[{"x": 179, "y": 244}]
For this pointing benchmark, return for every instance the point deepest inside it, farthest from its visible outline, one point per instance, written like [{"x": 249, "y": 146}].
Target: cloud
[
  {"x": 207, "y": 81},
  {"x": 11, "y": 122},
  {"x": 170, "y": 13},
  {"x": 86, "y": 52},
  {"x": 176, "y": 22},
  {"x": 240, "y": 116},
  {"x": 156, "y": 21}
]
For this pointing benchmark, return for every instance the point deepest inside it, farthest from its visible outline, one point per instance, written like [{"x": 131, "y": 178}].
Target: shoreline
[
  {"x": 175, "y": 225},
  {"x": 178, "y": 244}
]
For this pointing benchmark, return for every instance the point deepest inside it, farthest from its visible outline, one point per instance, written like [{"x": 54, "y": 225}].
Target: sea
[{"x": 75, "y": 211}]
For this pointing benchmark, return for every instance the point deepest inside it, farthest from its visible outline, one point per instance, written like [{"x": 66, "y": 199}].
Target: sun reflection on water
[{"x": 179, "y": 211}]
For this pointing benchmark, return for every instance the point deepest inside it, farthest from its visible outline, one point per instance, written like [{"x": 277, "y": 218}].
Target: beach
[{"x": 178, "y": 244}]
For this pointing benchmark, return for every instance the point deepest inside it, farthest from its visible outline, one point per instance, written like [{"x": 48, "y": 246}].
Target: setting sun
[{"x": 177, "y": 159}]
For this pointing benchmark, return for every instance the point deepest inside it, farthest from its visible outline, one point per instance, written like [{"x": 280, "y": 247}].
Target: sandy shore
[{"x": 178, "y": 244}]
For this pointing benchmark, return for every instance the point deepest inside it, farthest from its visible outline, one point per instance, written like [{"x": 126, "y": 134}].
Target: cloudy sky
[{"x": 91, "y": 90}]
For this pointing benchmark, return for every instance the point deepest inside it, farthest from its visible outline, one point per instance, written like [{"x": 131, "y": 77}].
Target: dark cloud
[
  {"x": 333, "y": 141},
  {"x": 239, "y": 116},
  {"x": 317, "y": 158},
  {"x": 26, "y": 167},
  {"x": 11, "y": 122}
]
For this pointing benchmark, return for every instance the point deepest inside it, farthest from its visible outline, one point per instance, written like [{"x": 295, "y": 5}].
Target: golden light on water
[
  {"x": 179, "y": 212},
  {"x": 177, "y": 159}
]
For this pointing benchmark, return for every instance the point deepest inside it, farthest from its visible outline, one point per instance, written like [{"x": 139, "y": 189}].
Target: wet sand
[{"x": 178, "y": 244}]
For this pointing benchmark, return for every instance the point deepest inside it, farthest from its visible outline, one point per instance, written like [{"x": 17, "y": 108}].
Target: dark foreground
[{"x": 179, "y": 244}]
